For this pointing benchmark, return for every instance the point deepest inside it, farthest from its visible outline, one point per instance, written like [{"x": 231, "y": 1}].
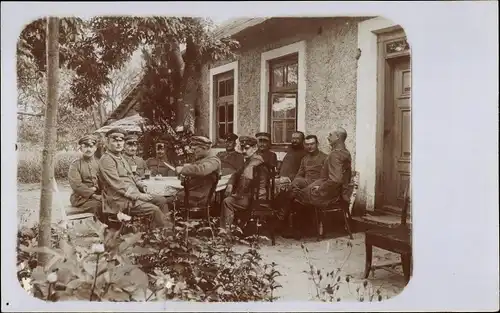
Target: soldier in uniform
[
  {"x": 309, "y": 171},
  {"x": 200, "y": 171},
  {"x": 238, "y": 190},
  {"x": 158, "y": 164},
  {"x": 264, "y": 144},
  {"x": 137, "y": 164},
  {"x": 82, "y": 176},
  {"x": 231, "y": 160},
  {"x": 335, "y": 174},
  {"x": 121, "y": 192},
  {"x": 292, "y": 159}
]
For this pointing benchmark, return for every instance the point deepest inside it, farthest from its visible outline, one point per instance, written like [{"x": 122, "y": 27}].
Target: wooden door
[{"x": 397, "y": 132}]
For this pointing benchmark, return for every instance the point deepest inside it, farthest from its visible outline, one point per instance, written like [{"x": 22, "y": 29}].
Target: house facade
[{"x": 313, "y": 74}]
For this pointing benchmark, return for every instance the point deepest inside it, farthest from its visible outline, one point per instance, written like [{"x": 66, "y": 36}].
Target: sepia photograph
[
  {"x": 176, "y": 158},
  {"x": 242, "y": 159}
]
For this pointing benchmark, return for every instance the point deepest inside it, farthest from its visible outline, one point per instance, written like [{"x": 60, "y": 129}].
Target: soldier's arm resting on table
[{"x": 75, "y": 181}]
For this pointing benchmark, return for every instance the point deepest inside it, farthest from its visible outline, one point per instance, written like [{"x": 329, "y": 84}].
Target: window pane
[
  {"x": 277, "y": 131},
  {"x": 290, "y": 129},
  {"x": 277, "y": 77},
  {"x": 230, "y": 113},
  {"x": 229, "y": 87},
  {"x": 222, "y": 89},
  {"x": 292, "y": 75},
  {"x": 222, "y": 113},
  {"x": 230, "y": 127},
  {"x": 283, "y": 105},
  {"x": 222, "y": 130}
]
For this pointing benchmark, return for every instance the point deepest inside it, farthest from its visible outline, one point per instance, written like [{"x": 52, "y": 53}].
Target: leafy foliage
[
  {"x": 156, "y": 265},
  {"x": 94, "y": 47}
]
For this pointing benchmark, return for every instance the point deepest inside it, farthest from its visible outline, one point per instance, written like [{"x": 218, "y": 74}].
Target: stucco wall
[{"x": 331, "y": 49}]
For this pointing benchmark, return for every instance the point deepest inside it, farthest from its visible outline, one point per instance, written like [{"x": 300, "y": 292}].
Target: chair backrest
[
  {"x": 213, "y": 187},
  {"x": 353, "y": 190},
  {"x": 187, "y": 183},
  {"x": 406, "y": 203},
  {"x": 256, "y": 180}
]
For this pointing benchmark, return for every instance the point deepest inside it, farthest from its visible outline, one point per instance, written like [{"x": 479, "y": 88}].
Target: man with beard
[
  {"x": 291, "y": 161},
  {"x": 231, "y": 160},
  {"x": 120, "y": 189},
  {"x": 82, "y": 176},
  {"x": 238, "y": 190},
  {"x": 264, "y": 145},
  {"x": 334, "y": 177}
]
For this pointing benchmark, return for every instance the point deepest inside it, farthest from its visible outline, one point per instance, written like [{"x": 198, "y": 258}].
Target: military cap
[
  {"x": 116, "y": 132},
  {"x": 263, "y": 136},
  {"x": 131, "y": 138},
  {"x": 88, "y": 139},
  {"x": 247, "y": 141},
  {"x": 230, "y": 137},
  {"x": 200, "y": 141}
]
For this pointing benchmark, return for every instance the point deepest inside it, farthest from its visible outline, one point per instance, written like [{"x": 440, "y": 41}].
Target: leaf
[
  {"x": 74, "y": 284},
  {"x": 38, "y": 274},
  {"x": 129, "y": 241}
]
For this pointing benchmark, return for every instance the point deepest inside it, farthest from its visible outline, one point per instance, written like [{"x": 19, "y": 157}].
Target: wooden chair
[
  {"x": 262, "y": 208},
  {"x": 341, "y": 206},
  {"x": 205, "y": 208},
  {"x": 396, "y": 239}
]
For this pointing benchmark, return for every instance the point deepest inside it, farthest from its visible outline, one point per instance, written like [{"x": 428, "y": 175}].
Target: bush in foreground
[{"x": 147, "y": 266}]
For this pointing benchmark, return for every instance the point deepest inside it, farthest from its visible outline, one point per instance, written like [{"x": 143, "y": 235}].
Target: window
[
  {"x": 224, "y": 95},
  {"x": 283, "y": 98}
]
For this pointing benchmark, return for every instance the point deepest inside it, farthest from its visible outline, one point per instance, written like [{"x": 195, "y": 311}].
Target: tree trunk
[{"x": 50, "y": 138}]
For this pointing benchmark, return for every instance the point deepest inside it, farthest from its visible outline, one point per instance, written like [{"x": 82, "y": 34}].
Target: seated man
[
  {"x": 231, "y": 160},
  {"x": 199, "y": 172},
  {"x": 121, "y": 191},
  {"x": 292, "y": 159},
  {"x": 264, "y": 144},
  {"x": 334, "y": 177},
  {"x": 158, "y": 164},
  {"x": 238, "y": 190},
  {"x": 82, "y": 176},
  {"x": 137, "y": 164},
  {"x": 309, "y": 171}
]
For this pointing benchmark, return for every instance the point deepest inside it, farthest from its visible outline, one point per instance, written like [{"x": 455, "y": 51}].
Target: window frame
[
  {"x": 283, "y": 61},
  {"x": 227, "y": 100}
]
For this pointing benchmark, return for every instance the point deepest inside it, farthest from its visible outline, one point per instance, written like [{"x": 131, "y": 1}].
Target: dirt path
[{"x": 291, "y": 261}]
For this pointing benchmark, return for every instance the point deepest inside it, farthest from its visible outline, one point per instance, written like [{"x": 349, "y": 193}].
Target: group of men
[
  {"x": 316, "y": 178},
  {"x": 113, "y": 184}
]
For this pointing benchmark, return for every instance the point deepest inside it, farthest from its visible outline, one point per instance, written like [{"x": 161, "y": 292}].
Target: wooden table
[{"x": 170, "y": 186}]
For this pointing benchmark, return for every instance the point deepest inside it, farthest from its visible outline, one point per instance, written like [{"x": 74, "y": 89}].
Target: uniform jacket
[
  {"x": 200, "y": 178},
  {"x": 291, "y": 163},
  {"x": 119, "y": 186},
  {"x": 82, "y": 176},
  {"x": 231, "y": 161},
  {"x": 241, "y": 180},
  {"x": 311, "y": 166},
  {"x": 139, "y": 162}
]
